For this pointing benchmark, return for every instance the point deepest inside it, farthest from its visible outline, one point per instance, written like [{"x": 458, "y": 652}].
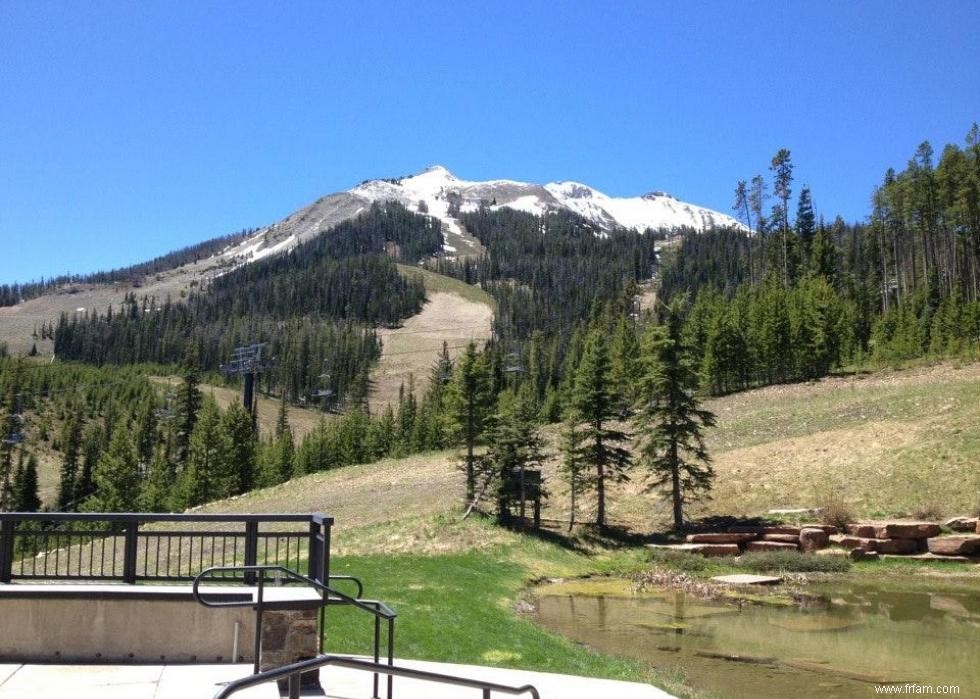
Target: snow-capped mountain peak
[{"x": 439, "y": 193}]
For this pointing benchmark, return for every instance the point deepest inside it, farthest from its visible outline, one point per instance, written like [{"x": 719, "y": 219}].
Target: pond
[{"x": 855, "y": 635}]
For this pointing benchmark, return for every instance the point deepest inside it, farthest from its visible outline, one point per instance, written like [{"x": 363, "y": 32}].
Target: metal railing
[
  {"x": 279, "y": 575},
  {"x": 293, "y": 673},
  {"x": 139, "y": 547}
]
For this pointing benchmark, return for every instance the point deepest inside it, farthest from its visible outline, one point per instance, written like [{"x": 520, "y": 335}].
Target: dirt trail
[{"x": 411, "y": 350}]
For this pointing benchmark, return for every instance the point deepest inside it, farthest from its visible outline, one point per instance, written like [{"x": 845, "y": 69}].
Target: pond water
[{"x": 855, "y": 636}]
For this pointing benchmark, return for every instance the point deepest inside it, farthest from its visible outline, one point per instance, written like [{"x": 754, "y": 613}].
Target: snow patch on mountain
[{"x": 439, "y": 193}]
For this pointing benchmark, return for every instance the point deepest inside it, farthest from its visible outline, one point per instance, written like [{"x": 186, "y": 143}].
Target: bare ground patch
[{"x": 411, "y": 350}]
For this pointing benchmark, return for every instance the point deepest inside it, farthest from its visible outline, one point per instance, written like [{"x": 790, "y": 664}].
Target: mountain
[{"x": 439, "y": 193}]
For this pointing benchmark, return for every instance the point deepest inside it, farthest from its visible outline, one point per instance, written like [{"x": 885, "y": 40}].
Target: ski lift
[
  {"x": 513, "y": 364},
  {"x": 166, "y": 412},
  {"x": 13, "y": 438}
]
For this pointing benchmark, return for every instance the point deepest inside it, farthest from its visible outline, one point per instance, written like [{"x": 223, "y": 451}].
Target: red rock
[
  {"x": 978, "y": 526},
  {"x": 714, "y": 550},
  {"x": 785, "y": 538},
  {"x": 865, "y": 531},
  {"x": 894, "y": 530},
  {"x": 828, "y": 528},
  {"x": 812, "y": 539},
  {"x": 899, "y": 546},
  {"x": 769, "y": 546},
  {"x": 782, "y": 529},
  {"x": 907, "y": 530},
  {"x": 962, "y": 524},
  {"x": 856, "y": 542},
  {"x": 955, "y": 545},
  {"x": 712, "y": 538}
]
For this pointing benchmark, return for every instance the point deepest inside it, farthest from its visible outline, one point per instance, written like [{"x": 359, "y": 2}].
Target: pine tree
[
  {"x": 469, "y": 405},
  {"x": 93, "y": 443},
  {"x": 206, "y": 476},
  {"x": 571, "y": 466},
  {"x": 188, "y": 405},
  {"x": 71, "y": 447},
  {"x": 625, "y": 368},
  {"x": 595, "y": 405},
  {"x": 782, "y": 168},
  {"x": 26, "y": 485},
  {"x": 116, "y": 477},
  {"x": 671, "y": 421},
  {"x": 515, "y": 446},
  {"x": 238, "y": 427},
  {"x": 158, "y": 486}
]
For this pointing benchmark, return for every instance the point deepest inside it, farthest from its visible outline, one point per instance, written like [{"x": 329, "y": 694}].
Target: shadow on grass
[{"x": 583, "y": 538}]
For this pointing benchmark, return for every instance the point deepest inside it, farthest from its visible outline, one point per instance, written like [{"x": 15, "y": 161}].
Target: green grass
[
  {"x": 438, "y": 282},
  {"x": 792, "y": 562},
  {"x": 461, "y": 608}
]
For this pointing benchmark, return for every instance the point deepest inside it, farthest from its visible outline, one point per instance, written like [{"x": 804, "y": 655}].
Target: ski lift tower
[{"x": 247, "y": 361}]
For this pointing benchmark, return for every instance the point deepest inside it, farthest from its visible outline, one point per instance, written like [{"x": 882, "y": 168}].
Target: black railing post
[
  {"x": 314, "y": 551},
  {"x": 259, "y": 609},
  {"x": 129, "y": 551},
  {"x": 6, "y": 549},
  {"x": 324, "y": 579},
  {"x": 391, "y": 654},
  {"x": 251, "y": 549}
]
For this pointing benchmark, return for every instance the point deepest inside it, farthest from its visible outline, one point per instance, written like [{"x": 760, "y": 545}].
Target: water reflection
[{"x": 860, "y": 636}]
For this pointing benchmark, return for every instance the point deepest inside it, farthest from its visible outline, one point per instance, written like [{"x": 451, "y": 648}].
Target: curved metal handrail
[
  {"x": 294, "y": 671},
  {"x": 377, "y": 608}
]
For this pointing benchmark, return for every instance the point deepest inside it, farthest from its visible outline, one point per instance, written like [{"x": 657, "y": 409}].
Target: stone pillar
[{"x": 288, "y": 636}]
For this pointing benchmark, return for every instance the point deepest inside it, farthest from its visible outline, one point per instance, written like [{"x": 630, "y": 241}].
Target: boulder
[
  {"x": 864, "y": 531},
  {"x": 965, "y": 545},
  {"x": 712, "y": 538},
  {"x": 855, "y": 542},
  {"x": 812, "y": 539},
  {"x": 907, "y": 530},
  {"x": 717, "y": 550},
  {"x": 962, "y": 524},
  {"x": 862, "y": 555},
  {"x": 770, "y": 546},
  {"x": 782, "y": 529},
  {"x": 828, "y": 528},
  {"x": 785, "y": 538},
  {"x": 894, "y": 530},
  {"x": 899, "y": 546}
]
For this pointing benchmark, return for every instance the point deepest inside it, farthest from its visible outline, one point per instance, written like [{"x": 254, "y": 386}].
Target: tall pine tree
[
  {"x": 670, "y": 421},
  {"x": 597, "y": 406}
]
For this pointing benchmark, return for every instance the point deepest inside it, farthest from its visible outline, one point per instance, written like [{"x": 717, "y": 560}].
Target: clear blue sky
[{"x": 129, "y": 129}]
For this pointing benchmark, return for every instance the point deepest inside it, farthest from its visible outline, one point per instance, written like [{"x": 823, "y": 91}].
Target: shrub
[
  {"x": 928, "y": 511},
  {"x": 679, "y": 560},
  {"x": 792, "y": 562},
  {"x": 836, "y": 512}
]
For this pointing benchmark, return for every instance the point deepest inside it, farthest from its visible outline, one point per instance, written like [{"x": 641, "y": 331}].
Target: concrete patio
[{"x": 203, "y": 681}]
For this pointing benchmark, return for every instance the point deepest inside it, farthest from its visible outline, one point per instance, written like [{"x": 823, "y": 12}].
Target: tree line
[
  {"x": 316, "y": 307},
  {"x": 13, "y": 293}
]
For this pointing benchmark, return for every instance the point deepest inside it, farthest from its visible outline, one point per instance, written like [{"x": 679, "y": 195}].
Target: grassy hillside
[
  {"x": 455, "y": 313},
  {"x": 893, "y": 442},
  {"x": 302, "y": 421}
]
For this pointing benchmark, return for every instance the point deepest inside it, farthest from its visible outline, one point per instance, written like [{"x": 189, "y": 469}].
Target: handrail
[
  {"x": 317, "y": 517},
  {"x": 295, "y": 671},
  {"x": 377, "y": 608},
  {"x": 132, "y": 547},
  {"x": 352, "y": 578}
]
